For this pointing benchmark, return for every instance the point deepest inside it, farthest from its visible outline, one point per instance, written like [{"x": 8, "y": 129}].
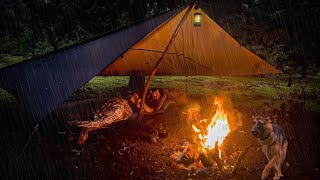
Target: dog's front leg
[
  {"x": 268, "y": 167},
  {"x": 277, "y": 170}
]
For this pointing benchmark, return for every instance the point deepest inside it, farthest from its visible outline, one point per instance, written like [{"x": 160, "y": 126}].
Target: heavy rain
[{"x": 159, "y": 89}]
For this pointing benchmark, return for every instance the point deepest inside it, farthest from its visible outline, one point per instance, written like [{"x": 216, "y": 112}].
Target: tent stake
[{"x": 155, "y": 68}]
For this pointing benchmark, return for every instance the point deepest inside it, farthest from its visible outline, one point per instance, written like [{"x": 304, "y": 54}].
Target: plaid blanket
[{"x": 114, "y": 110}]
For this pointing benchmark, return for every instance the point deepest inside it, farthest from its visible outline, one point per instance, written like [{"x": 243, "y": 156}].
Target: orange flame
[
  {"x": 216, "y": 131},
  {"x": 195, "y": 128}
]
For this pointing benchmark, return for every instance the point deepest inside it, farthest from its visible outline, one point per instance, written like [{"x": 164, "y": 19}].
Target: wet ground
[{"x": 44, "y": 152}]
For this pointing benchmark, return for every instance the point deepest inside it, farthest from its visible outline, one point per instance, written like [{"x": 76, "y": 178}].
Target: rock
[{"x": 152, "y": 139}]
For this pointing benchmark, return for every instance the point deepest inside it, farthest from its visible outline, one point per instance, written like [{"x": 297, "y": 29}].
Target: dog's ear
[{"x": 266, "y": 115}]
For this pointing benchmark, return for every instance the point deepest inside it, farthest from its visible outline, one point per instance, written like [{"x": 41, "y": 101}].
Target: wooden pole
[{"x": 155, "y": 68}]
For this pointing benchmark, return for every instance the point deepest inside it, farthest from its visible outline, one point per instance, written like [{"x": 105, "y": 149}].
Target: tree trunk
[
  {"x": 289, "y": 81},
  {"x": 136, "y": 84},
  {"x": 304, "y": 67}
]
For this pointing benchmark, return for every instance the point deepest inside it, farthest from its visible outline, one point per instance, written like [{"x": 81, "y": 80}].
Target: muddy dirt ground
[{"x": 45, "y": 153}]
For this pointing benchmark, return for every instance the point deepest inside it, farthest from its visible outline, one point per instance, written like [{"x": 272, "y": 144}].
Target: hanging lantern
[{"x": 197, "y": 20}]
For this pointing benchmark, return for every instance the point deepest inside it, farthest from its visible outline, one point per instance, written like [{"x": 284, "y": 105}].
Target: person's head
[{"x": 155, "y": 94}]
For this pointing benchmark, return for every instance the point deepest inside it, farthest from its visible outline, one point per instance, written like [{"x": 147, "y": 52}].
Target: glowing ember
[{"x": 216, "y": 131}]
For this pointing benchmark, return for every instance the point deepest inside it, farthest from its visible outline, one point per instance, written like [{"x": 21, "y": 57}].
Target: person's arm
[
  {"x": 163, "y": 98},
  {"x": 146, "y": 107}
]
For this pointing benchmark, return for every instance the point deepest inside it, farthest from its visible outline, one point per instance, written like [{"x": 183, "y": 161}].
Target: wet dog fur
[{"x": 274, "y": 144}]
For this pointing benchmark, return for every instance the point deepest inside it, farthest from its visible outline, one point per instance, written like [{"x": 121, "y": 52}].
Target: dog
[{"x": 274, "y": 144}]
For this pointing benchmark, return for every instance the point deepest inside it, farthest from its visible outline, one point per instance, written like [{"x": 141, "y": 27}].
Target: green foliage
[
  {"x": 7, "y": 60},
  {"x": 32, "y": 28},
  {"x": 26, "y": 43},
  {"x": 243, "y": 91},
  {"x": 275, "y": 54},
  {"x": 6, "y": 98},
  {"x": 100, "y": 87}
]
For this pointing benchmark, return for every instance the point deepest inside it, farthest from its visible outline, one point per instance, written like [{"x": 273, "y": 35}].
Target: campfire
[
  {"x": 208, "y": 146},
  {"x": 211, "y": 135},
  {"x": 216, "y": 131}
]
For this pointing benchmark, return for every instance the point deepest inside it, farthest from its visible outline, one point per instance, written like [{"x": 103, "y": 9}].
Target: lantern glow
[{"x": 197, "y": 19}]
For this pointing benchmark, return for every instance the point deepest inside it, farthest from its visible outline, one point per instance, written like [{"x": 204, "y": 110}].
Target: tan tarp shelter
[
  {"x": 42, "y": 84},
  {"x": 197, "y": 50}
]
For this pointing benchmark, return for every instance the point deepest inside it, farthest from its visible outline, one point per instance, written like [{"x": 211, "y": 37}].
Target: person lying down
[{"x": 115, "y": 110}]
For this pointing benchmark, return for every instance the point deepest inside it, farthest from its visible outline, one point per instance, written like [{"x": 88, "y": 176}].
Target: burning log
[
  {"x": 207, "y": 162},
  {"x": 214, "y": 155},
  {"x": 205, "y": 159},
  {"x": 217, "y": 160}
]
